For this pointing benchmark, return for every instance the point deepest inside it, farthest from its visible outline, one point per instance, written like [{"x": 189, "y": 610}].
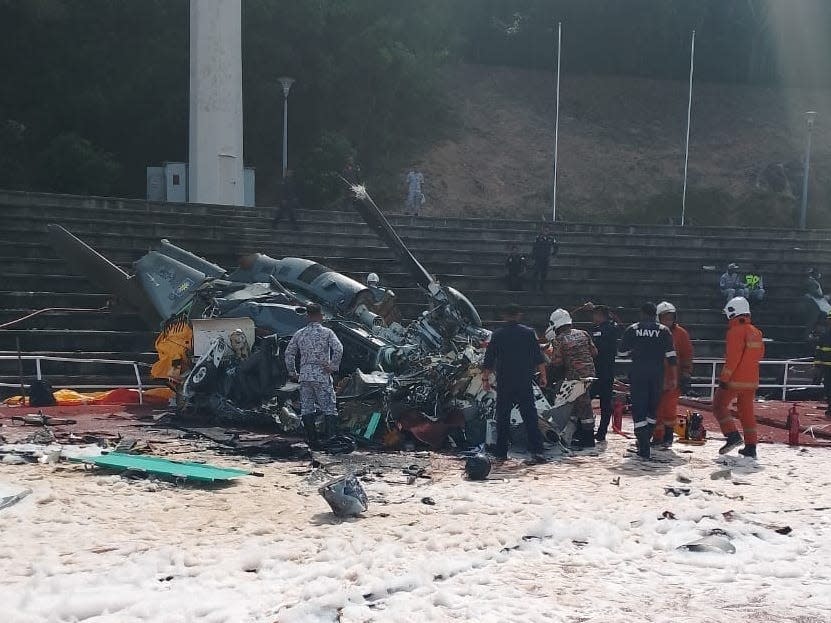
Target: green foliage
[{"x": 72, "y": 164}]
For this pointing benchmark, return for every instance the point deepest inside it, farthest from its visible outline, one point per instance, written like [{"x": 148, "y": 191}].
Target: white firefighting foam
[{"x": 566, "y": 541}]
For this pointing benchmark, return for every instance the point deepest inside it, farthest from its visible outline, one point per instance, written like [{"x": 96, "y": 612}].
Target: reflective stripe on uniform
[
  {"x": 641, "y": 424},
  {"x": 671, "y": 354},
  {"x": 739, "y": 385}
]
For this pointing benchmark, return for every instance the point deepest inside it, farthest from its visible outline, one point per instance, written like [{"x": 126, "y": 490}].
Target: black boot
[
  {"x": 643, "y": 436},
  {"x": 734, "y": 440},
  {"x": 311, "y": 431},
  {"x": 749, "y": 450}
]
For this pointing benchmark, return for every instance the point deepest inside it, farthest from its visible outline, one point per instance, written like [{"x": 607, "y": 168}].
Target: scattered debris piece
[
  {"x": 11, "y": 500},
  {"x": 38, "y": 419},
  {"x": 677, "y": 491},
  {"x": 345, "y": 496},
  {"x": 712, "y": 543},
  {"x": 428, "y": 501},
  {"x": 162, "y": 467},
  {"x": 722, "y": 474},
  {"x": 616, "y": 481},
  {"x": 683, "y": 476}
]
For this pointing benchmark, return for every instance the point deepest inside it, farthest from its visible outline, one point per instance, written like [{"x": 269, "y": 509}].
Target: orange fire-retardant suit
[
  {"x": 668, "y": 407},
  {"x": 740, "y": 378}
]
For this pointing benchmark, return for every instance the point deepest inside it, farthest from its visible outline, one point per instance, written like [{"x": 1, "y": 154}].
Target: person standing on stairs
[
  {"x": 668, "y": 407},
  {"x": 545, "y": 247},
  {"x": 739, "y": 378},
  {"x": 650, "y": 347},
  {"x": 515, "y": 266}
]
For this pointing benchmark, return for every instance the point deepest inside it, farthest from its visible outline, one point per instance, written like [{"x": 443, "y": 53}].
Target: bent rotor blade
[{"x": 100, "y": 271}]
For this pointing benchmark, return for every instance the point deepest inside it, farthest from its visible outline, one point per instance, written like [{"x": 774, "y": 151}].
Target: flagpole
[
  {"x": 557, "y": 122},
  {"x": 687, "y": 147}
]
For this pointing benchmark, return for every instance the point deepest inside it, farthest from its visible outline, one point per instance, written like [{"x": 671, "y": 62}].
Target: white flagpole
[
  {"x": 557, "y": 122},
  {"x": 689, "y": 119}
]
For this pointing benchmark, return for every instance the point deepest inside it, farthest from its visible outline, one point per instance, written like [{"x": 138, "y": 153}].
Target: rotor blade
[
  {"x": 86, "y": 261},
  {"x": 373, "y": 216}
]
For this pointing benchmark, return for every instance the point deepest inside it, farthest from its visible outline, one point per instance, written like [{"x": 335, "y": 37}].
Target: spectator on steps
[
  {"x": 754, "y": 283},
  {"x": 731, "y": 284},
  {"x": 289, "y": 201},
  {"x": 515, "y": 267},
  {"x": 545, "y": 246},
  {"x": 415, "y": 193}
]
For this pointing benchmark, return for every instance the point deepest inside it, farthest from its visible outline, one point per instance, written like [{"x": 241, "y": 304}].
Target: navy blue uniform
[
  {"x": 604, "y": 336},
  {"x": 514, "y": 354},
  {"x": 649, "y": 345}
]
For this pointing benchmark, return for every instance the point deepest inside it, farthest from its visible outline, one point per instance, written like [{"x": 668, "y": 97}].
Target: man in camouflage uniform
[
  {"x": 571, "y": 354},
  {"x": 320, "y": 354}
]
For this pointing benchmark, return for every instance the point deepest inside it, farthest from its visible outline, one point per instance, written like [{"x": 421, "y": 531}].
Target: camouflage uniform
[
  {"x": 574, "y": 351},
  {"x": 319, "y": 349}
]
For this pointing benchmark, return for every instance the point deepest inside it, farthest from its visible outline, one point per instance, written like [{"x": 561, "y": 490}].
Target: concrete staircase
[{"x": 621, "y": 266}]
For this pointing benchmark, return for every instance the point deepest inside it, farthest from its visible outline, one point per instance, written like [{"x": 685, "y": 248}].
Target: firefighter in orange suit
[
  {"x": 668, "y": 407},
  {"x": 739, "y": 378}
]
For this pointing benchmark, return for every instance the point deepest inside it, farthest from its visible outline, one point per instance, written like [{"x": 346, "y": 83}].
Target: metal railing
[
  {"x": 38, "y": 359},
  {"x": 786, "y": 376}
]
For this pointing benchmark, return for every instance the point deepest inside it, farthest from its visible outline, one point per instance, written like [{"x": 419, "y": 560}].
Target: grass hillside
[{"x": 621, "y": 150}]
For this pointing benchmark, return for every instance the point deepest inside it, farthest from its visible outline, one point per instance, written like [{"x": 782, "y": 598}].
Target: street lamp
[
  {"x": 810, "y": 117},
  {"x": 286, "y": 82}
]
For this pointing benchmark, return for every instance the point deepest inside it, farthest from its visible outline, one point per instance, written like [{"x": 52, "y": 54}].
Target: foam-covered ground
[{"x": 580, "y": 539}]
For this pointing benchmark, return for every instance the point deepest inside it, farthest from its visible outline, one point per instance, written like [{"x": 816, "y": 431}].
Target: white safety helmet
[
  {"x": 665, "y": 308},
  {"x": 559, "y": 318},
  {"x": 372, "y": 279},
  {"x": 737, "y": 307}
]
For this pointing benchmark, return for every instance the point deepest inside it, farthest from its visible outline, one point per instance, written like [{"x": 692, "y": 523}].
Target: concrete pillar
[{"x": 215, "y": 134}]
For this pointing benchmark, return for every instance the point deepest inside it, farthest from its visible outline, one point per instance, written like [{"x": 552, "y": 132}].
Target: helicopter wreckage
[{"x": 223, "y": 336}]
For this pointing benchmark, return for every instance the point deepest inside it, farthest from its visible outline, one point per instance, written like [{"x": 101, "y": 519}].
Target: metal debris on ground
[
  {"x": 158, "y": 466},
  {"x": 11, "y": 500},
  {"x": 345, "y": 496}
]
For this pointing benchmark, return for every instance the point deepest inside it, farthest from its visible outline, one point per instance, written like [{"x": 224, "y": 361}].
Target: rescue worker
[
  {"x": 515, "y": 266},
  {"x": 822, "y": 361},
  {"x": 730, "y": 284},
  {"x": 650, "y": 346},
  {"x": 373, "y": 283},
  {"x": 320, "y": 353},
  {"x": 604, "y": 336},
  {"x": 515, "y": 355},
  {"x": 544, "y": 247},
  {"x": 668, "y": 407},
  {"x": 571, "y": 354},
  {"x": 739, "y": 378}
]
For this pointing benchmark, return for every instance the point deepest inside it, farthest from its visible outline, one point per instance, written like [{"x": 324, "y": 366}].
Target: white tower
[{"x": 215, "y": 168}]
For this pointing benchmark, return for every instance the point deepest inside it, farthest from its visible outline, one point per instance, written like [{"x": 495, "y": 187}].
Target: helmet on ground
[
  {"x": 477, "y": 467},
  {"x": 372, "y": 279},
  {"x": 559, "y": 318},
  {"x": 665, "y": 308},
  {"x": 737, "y": 307}
]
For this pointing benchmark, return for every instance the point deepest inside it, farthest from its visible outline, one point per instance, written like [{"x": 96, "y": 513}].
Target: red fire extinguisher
[
  {"x": 617, "y": 417},
  {"x": 793, "y": 426}
]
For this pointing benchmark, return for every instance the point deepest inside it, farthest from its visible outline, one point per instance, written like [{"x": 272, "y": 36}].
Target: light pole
[
  {"x": 810, "y": 117},
  {"x": 286, "y": 82}
]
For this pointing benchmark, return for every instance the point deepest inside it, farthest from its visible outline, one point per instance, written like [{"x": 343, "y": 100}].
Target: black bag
[{"x": 41, "y": 394}]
